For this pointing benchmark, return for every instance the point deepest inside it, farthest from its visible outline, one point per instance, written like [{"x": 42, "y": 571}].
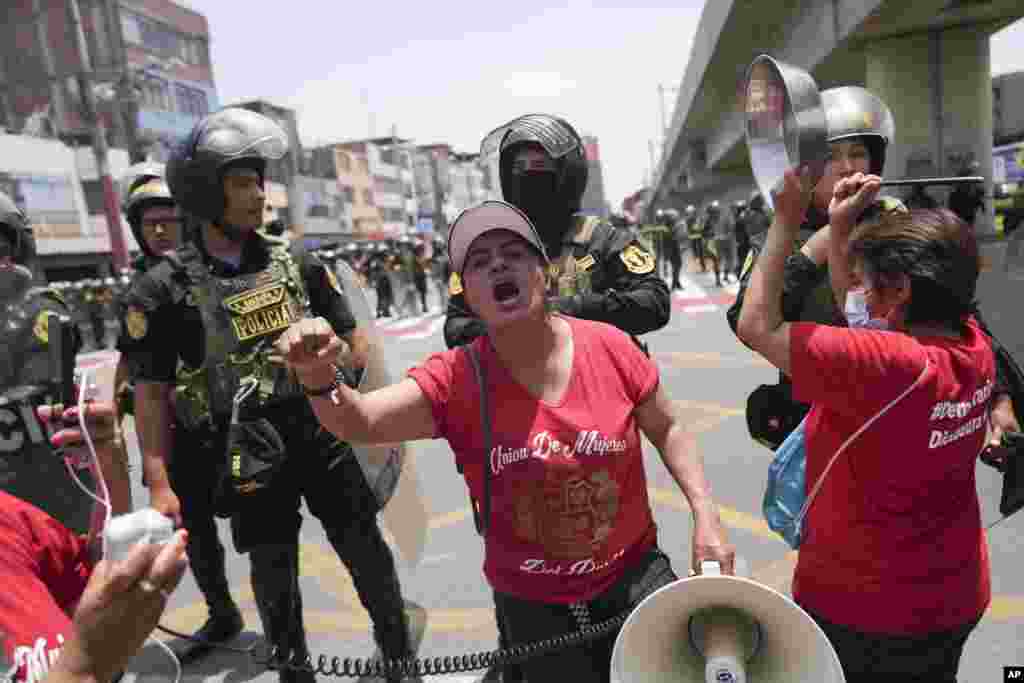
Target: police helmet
[
  {"x": 855, "y": 112},
  {"x": 561, "y": 142},
  {"x": 757, "y": 201},
  {"x": 15, "y": 226},
  {"x": 228, "y": 138},
  {"x": 714, "y": 207},
  {"x": 690, "y": 209},
  {"x": 143, "y": 186}
]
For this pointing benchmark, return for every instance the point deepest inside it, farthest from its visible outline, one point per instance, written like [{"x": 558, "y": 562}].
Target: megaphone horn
[{"x": 721, "y": 629}]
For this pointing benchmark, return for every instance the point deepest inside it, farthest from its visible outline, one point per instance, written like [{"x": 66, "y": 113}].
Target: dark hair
[{"x": 934, "y": 249}]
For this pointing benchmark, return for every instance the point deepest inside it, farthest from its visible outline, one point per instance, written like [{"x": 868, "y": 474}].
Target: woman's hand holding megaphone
[{"x": 709, "y": 541}]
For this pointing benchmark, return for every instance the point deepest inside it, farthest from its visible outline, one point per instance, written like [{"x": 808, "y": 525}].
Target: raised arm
[{"x": 399, "y": 412}]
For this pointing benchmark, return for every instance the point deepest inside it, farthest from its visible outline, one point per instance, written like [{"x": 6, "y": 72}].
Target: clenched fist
[{"x": 311, "y": 348}]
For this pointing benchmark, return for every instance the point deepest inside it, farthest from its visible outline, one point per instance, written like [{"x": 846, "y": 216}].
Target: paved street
[{"x": 709, "y": 374}]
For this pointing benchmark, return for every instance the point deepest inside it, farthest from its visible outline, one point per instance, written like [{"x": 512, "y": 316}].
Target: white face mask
[{"x": 857, "y": 314}]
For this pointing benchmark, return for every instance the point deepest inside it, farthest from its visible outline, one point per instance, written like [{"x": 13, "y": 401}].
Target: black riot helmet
[
  {"x": 562, "y": 143},
  {"x": 228, "y": 138},
  {"x": 17, "y": 230}
]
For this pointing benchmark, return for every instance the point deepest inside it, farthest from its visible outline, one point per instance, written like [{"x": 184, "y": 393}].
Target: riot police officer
[
  {"x": 673, "y": 247},
  {"x": 860, "y": 127},
  {"x": 598, "y": 272},
  {"x": 695, "y": 233},
  {"x": 859, "y": 130},
  {"x": 739, "y": 209},
  {"x": 756, "y": 221},
  {"x": 158, "y": 227},
  {"x": 216, "y": 306},
  {"x": 29, "y": 469}
]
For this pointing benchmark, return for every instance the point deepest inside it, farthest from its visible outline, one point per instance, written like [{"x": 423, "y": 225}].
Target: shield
[{"x": 389, "y": 472}]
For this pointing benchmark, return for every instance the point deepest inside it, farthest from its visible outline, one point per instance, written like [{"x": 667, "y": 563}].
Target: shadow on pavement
[{"x": 154, "y": 665}]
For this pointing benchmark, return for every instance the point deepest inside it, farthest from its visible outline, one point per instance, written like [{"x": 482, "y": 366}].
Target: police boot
[
  {"x": 276, "y": 587},
  {"x": 372, "y": 567},
  {"x": 206, "y": 557},
  {"x": 222, "y": 627}
]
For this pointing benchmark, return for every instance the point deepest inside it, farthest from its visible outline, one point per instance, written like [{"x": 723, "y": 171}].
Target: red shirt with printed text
[
  {"x": 44, "y": 568},
  {"x": 569, "y": 507},
  {"x": 893, "y": 543}
]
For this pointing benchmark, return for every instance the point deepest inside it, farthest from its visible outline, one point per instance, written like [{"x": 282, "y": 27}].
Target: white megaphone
[{"x": 722, "y": 629}]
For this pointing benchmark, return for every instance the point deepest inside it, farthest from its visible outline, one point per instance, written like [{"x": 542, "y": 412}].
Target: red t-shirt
[
  {"x": 569, "y": 508},
  {"x": 893, "y": 542},
  {"x": 44, "y": 568}
]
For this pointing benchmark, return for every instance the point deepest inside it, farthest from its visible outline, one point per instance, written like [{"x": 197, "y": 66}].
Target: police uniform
[
  {"x": 272, "y": 288},
  {"x": 695, "y": 233},
  {"x": 208, "y": 327},
  {"x": 597, "y": 272},
  {"x": 29, "y": 468},
  {"x": 851, "y": 113}
]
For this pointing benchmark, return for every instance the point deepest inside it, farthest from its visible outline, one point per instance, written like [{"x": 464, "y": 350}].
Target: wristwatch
[{"x": 323, "y": 391}]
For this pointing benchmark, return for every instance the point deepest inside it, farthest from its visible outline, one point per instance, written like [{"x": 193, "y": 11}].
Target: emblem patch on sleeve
[
  {"x": 41, "y": 328},
  {"x": 638, "y": 261},
  {"x": 332, "y": 280},
  {"x": 454, "y": 285},
  {"x": 136, "y": 323}
]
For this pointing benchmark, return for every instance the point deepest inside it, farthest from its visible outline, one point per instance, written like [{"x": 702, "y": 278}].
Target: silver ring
[{"x": 148, "y": 586}]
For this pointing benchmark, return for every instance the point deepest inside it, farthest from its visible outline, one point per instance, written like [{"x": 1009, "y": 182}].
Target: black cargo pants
[{"x": 324, "y": 472}]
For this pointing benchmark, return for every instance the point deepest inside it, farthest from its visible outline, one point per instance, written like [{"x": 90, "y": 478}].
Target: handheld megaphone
[
  {"x": 787, "y": 126},
  {"x": 721, "y": 629}
]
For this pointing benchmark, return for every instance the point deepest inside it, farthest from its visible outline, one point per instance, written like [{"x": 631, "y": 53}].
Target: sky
[{"x": 449, "y": 72}]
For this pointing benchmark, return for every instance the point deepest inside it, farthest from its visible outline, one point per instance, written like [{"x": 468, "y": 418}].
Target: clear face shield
[{"x": 554, "y": 137}]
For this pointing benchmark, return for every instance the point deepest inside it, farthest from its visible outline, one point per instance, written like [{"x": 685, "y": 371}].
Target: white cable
[
  {"x": 105, "y": 501},
  {"x": 174, "y": 657},
  {"x": 101, "y": 482}
]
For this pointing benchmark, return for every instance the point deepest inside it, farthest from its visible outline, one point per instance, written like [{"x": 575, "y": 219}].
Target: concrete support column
[{"x": 939, "y": 87}]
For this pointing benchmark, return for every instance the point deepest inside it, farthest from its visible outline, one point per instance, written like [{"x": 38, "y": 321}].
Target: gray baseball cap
[{"x": 481, "y": 219}]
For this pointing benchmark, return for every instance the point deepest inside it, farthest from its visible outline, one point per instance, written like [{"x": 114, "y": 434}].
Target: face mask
[
  {"x": 536, "y": 194},
  {"x": 857, "y": 314}
]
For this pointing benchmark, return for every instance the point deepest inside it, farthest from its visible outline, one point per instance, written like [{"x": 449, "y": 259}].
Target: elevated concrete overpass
[{"x": 928, "y": 59}]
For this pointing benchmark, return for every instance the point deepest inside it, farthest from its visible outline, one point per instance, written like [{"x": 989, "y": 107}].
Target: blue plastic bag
[{"x": 786, "y": 492}]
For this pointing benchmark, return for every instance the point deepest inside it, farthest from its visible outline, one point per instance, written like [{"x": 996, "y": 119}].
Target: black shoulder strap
[{"x": 483, "y": 520}]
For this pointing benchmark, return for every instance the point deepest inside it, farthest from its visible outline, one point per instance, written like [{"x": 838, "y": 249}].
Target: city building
[
  {"x": 51, "y": 181},
  {"x": 326, "y": 210},
  {"x": 469, "y": 184},
  {"x": 356, "y": 186},
  {"x": 593, "y": 202},
  {"x": 390, "y": 166},
  {"x": 451, "y": 180},
  {"x": 149, "y": 68},
  {"x": 433, "y": 184}
]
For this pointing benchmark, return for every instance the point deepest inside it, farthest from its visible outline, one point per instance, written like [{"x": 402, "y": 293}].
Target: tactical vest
[
  {"x": 22, "y": 331},
  {"x": 570, "y": 274},
  {"x": 241, "y": 316}
]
